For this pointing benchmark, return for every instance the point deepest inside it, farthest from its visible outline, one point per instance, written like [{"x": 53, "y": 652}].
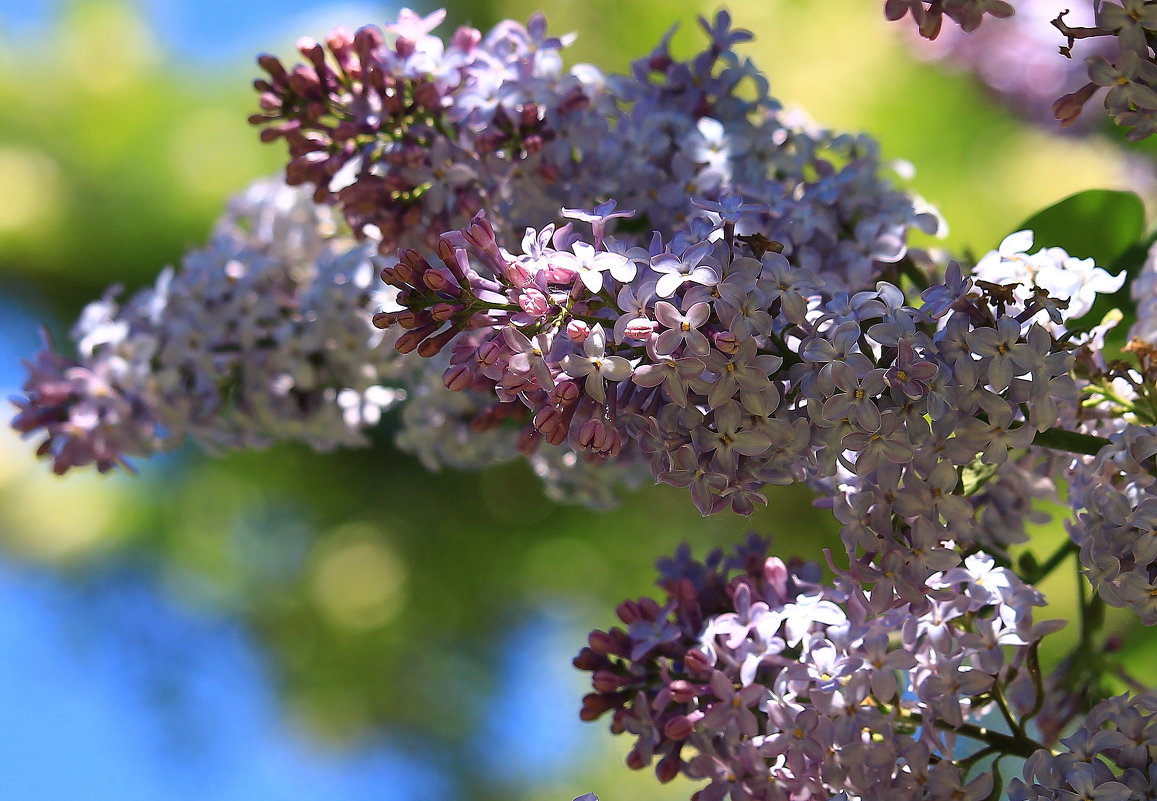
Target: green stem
[
  {"x": 1021, "y": 746},
  {"x": 1051, "y": 564}
]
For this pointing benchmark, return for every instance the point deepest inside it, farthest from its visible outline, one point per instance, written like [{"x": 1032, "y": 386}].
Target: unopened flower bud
[
  {"x": 638, "y": 759},
  {"x": 533, "y": 302},
  {"x": 458, "y": 377},
  {"x": 385, "y": 319},
  {"x": 682, "y": 691},
  {"x": 725, "y": 342},
  {"x": 431, "y": 346},
  {"x": 595, "y": 705},
  {"x": 490, "y": 352},
  {"x": 629, "y": 611},
  {"x": 564, "y": 393},
  {"x": 697, "y": 663},
  {"x": 668, "y": 768},
  {"x": 640, "y": 329},
  {"x": 441, "y": 312},
  {"x": 606, "y": 681},
  {"x": 578, "y": 331},
  {"x": 680, "y": 727},
  {"x": 410, "y": 340},
  {"x": 548, "y": 419}
]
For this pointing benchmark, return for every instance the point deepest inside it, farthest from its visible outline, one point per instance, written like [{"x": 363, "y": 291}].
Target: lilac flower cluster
[
  {"x": 1126, "y": 66},
  {"x": 1111, "y": 757},
  {"x": 754, "y": 677},
  {"x": 929, "y": 14},
  {"x": 262, "y": 336},
  {"x": 1116, "y": 522},
  {"x": 1130, "y": 76},
  {"x": 1017, "y": 59},
  {"x": 724, "y": 368},
  {"x": 409, "y": 138}
]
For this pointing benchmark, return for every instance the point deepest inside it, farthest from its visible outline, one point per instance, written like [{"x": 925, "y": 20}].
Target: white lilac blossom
[
  {"x": 262, "y": 336},
  {"x": 762, "y": 682}
]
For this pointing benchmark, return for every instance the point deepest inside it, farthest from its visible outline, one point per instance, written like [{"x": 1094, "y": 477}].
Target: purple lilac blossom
[
  {"x": 766, "y": 684},
  {"x": 262, "y": 336},
  {"x": 1112, "y": 756}
]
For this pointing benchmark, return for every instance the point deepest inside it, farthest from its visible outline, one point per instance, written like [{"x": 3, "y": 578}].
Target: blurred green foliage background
[{"x": 383, "y": 597}]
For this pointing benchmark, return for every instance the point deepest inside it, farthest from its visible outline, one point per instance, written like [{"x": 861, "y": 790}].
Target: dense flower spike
[
  {"x": 262, "y": 336},
  {"x": 662, "y": 275},
  {"x": 756, "y": 678}
]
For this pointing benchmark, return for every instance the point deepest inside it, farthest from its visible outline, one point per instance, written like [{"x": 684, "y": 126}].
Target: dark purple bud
[
  {"x": 480, "y": 233},
  {"x": 432, "y": 346},
  {"x": 313, "y": 52},
  {"x": 340, "y": 43},
  {"x": 564, "y": 393},
  {"x": 385, "y": 319},
  {"x": 697, "y": 664},
  {"x": 548, "y": 420},
  {"x": 407, "y": 274},
  {"x": 273, "y": 66},
  {"x": 458, "y": 377},
  {"x": 367, "y": 39},
  {"x": 606, "y": 681},
  {"x": 601, "y": 642},
  {"x": 437, "y": 281},
  {"x": 269, "y": 101},
  {"x": 409, "y": 319},
  {"x": 304, "y": 81},
  {"x": 490, "y": 352},
  {"x": 668, "y": 768},
  {"x": 444, "y": 311},
  {"x": 466, "y": 39},
  {"x": 587, "y": 659},
  {"x": 638, "y": 759},
  {"x": 650, "y": 608},
  {"x": 596, "y": 705},
  {"x": 629, "y": 611},
  {"x": 410, "y": 340},
  {"x": 592, "y": 435},
  {"x": 679, "y": 727}
]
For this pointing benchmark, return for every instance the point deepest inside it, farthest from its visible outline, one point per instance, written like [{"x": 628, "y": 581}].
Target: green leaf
[{"x": 1100, "y": 224}]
